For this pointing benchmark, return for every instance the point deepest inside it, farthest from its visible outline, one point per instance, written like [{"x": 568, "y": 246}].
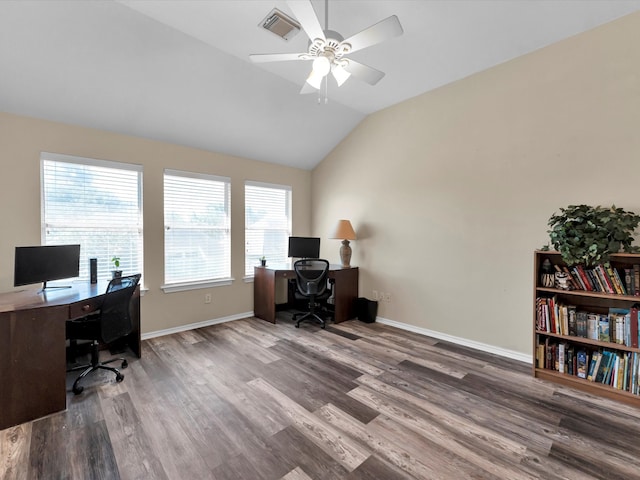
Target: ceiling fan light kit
[{"x": 328, "y": 48}]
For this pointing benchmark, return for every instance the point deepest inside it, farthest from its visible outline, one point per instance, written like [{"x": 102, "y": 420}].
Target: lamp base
[{"x": 345, "y": 253}]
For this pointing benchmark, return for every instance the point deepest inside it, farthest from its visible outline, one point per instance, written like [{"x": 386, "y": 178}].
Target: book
[
  {"x": 636, "y": 279},
  {"x": 561, "y": 357},
  {"x": 572, "y": 280},
  {"x": 581, "y": 363},
  {"x": 581, "y": 324},
  {"x": 600, "y": 374},
  {"x": 576, "y": 274},
  {"x": 633, "y": 326},
  {"x": 595, "y": 358},
  {"x": 604, "y": 279},
  {"x": 628, "y": 280},
  {"x": 597, "y": 285},
  {"x": 618, "y": 281},
  {"x": 603, "y": 328},
  {"x": 572, "y": 319},
  {"x": 592, "y": 326},
  {"x": 585, "y": 278}
]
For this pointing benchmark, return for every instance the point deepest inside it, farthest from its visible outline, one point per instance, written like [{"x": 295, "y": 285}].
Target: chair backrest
[
  {"x": 115, "y": 315},
  {"x": 311, "y": 276}
]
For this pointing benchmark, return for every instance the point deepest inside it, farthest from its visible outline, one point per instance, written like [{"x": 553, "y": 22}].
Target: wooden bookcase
[{"x": 588, "y": 301}]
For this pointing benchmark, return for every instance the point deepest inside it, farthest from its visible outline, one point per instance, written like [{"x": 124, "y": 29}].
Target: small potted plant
[
  {"x": 263, "y": 261},
  {"x": 116, "y": 272}
]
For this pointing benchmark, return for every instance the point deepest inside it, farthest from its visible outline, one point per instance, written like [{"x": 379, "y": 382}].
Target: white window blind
[
  {"x": 197, "y": 236},
  {"x": 267, "y": 223},
  {"x": 97, "y": 204}
]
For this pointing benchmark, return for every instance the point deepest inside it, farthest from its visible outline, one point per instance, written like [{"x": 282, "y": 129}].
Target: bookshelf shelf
[{"x": 576, "y": 329}]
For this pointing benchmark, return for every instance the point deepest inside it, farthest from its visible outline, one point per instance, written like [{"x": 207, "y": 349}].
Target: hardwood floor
[{"x": 256, "y": 401}]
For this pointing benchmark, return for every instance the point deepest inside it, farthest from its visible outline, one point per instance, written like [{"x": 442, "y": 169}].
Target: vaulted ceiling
[{"x": 179, "y": 71}]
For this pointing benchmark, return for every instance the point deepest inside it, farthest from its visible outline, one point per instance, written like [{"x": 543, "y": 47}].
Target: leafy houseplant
[
  {"x": 263, "y": 261},
  {"x": 116, "y": 273},
  {"x": 588, "y": 235}
]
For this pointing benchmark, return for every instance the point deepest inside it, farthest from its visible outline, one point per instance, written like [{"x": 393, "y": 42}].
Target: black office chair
[
  {"x": 111, "y": 322},
  {"x": 311, "y": 283}
]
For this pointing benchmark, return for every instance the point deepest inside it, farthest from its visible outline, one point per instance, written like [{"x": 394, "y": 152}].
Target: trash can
[{"x": 366, "y": 309}]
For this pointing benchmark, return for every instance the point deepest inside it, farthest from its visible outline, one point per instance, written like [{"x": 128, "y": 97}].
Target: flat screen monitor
[
  {"x": 42, "y": 264},
  {"x": 304, "y": 247}
]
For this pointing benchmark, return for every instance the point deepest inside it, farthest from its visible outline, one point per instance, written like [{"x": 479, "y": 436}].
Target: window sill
[
  {"x": 182, "y": 287},
  {"x": 248, "y": 279}
]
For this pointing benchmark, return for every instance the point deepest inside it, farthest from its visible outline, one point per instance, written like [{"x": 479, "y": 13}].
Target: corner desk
[
  {"x": 345, "y": 290},
  {"x": 33, "y": 347}
]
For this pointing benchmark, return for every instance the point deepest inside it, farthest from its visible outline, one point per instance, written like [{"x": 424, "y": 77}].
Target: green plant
[
  {"x": 588, "y": 235},
  {"x": 115, "y": 261}
]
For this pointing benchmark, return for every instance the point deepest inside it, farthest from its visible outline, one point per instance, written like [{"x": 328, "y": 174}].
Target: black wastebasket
[{"x": 366, "y": 309}]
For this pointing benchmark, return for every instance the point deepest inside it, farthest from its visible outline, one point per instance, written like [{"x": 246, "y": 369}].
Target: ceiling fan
[{"x": 329, "y": 49}]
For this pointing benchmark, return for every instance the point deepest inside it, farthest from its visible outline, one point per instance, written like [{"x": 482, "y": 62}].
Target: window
[
  {"x": 197, "y": 235},
  {"x": 97, "y": 204},
  {"x": 267, "y": 223}
]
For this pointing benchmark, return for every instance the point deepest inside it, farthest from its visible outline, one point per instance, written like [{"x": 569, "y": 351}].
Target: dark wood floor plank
[
  {"x": 253, "y": 400},
  {"x": 14, "y": 452}
]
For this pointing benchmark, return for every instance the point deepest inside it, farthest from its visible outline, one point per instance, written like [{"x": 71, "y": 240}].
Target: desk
[
  {"x": 33, "y": 347},
  {"x": 345, "y": 290}
]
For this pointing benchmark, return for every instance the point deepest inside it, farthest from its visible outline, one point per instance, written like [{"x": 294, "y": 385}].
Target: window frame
[
  {"x": 180, "y": 286},
  {"x": 249, "y": 275},
  {"x": 94, "y": 162}
]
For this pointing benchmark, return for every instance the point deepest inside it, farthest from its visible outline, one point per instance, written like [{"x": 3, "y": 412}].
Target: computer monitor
[
  {"x": 304, "y": 247},
  {"x": 41, "y": 264}
]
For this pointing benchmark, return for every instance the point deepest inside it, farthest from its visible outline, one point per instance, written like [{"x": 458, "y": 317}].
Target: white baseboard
[
  {"x": 503, "y": 352},
  {"x": 192, "y": 326}
]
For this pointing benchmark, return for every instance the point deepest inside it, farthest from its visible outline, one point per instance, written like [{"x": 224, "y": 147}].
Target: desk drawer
[
  {"x": 285, "y": 274},
  {"x": 80, "y": 309}
]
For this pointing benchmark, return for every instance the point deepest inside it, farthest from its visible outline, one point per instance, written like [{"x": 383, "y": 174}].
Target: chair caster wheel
[
  {"x": 119, "y": 378},
  {"x": 297, "y": 326},
  {"x": 78, "y": 390},
  {"x": 124, "y": 364}
]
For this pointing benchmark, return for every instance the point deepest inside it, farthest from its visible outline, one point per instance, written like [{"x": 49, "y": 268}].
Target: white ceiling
[{"x": 179, "y": 71}]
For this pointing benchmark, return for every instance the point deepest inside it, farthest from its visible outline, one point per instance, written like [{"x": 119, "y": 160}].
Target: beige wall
[
  {"x": 21, "y": 141},
  {"x": 450, "y": 192}
]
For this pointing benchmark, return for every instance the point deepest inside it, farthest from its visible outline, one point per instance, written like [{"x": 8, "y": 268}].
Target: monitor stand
[{"x": 45, "y": 287}]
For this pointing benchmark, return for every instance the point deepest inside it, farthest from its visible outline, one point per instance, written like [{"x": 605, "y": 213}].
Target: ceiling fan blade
[
  {"x": 363, "y": 72},
  {"x": 306, "y": 15},
  {"x": 388, "y": 28},
  {"x": 276, "y": 57}
]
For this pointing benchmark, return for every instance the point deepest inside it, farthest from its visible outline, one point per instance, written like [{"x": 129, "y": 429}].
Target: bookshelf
[{"x": 588, "y": 323}]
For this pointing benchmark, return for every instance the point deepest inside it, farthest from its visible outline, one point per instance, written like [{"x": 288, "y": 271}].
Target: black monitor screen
[
  {"x": 304, "y": 247},
  {"x": 45, "y": 263}
]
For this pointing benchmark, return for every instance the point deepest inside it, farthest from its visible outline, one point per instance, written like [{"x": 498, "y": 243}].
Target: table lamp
[{"x": 344, "y": 231}]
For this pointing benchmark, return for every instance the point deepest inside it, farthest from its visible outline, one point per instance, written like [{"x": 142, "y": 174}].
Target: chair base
[
  {"x": 309, "y": 316},
  {"x": 96, "y": 364}
]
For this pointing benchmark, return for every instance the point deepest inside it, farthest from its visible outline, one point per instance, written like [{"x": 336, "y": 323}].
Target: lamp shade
[{"x": 343, "y": 230}]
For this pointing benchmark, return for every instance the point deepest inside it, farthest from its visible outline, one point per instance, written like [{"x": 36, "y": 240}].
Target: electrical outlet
[
  {"x": 375, "y": 295},
  {"x": 387, "y": 297},
  {"x": 207, "y": 298}
]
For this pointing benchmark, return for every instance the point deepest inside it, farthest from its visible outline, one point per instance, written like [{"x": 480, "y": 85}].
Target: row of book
[
  {"x": 620, "y": 370},
  {"x": 603, "y": 278},
  {"x": 618, "y": 325}
]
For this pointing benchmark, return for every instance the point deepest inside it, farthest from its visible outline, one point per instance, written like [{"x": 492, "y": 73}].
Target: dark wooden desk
[
  {"x": 32, "y": 347},
  {"x": 345, "y": 290}
]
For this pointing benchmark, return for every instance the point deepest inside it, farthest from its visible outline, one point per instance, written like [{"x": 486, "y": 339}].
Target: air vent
[{"x": 280, "y": 24}]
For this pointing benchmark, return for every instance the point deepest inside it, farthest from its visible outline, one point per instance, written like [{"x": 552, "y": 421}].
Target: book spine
[
  {"x": 636, "y": 279},
  {"x": 595, "y": 281},
  {"x": 619, "y": 283},
  {"x": 576, "y": 274},
  {"x": 633, "y": 326},
  {"x": 585, "y": 279},
  {"x": 628, "y": 280},
  {"x": 606, "y": 282}
]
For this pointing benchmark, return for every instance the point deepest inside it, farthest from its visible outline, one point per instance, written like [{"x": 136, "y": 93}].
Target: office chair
[
  {"x": 311, "y": 282},
  {"x": 111, "y": 322}
]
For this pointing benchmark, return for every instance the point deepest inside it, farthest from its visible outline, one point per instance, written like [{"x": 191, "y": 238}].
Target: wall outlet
[
  {"x": 375, "y": 295},
  {"x": 387, "y": 297},
  {"x": 207, "y": 298}
]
